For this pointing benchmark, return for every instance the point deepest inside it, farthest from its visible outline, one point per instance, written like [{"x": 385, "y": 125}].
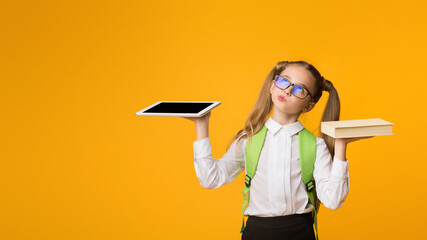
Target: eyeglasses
[{"x": 297, "y": 90}]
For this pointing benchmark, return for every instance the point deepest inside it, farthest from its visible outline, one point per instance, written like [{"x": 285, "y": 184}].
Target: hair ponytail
[
  {"x": 258, "y": 115},
  {"x": 331, "y": 112}
]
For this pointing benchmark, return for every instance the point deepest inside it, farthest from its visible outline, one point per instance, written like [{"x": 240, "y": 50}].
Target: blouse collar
[{"x": 291, "y": 129}]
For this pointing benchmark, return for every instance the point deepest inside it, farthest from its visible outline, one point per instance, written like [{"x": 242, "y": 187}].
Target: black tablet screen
[{"x": 178, "y": 107}]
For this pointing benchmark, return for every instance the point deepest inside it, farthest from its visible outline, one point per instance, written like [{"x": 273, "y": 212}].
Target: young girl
[{"x": 279, "y": 206}]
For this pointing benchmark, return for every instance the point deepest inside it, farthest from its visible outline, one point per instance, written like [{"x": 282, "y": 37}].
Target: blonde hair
[{"x": 263, "y": 105}]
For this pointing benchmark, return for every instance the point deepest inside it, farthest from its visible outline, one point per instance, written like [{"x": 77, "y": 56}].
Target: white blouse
[{"x": 277, "y": 188}]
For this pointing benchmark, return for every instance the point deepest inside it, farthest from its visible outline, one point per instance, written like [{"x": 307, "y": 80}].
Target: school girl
[{"x": 279, "y": 206}]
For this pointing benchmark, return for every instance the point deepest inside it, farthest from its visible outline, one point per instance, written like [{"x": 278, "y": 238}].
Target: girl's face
[{"x": 284, "y": 101}]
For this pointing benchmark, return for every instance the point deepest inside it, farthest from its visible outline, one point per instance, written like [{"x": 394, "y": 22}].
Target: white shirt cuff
[
  {"x": 202, "y": 148},
  {"x": 340, "y": 168}
]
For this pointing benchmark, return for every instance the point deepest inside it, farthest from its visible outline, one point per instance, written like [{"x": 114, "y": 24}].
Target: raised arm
[
  {"x": 214, "y": 173},
  {"x": 331, "y": 177}
]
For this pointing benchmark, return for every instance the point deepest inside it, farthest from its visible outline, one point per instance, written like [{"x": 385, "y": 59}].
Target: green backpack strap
[
  {"x": 307, "y": 155},
  {"x": 253, "y": 151}
]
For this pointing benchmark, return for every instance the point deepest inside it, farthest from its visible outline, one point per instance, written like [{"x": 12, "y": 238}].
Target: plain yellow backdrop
[{"x": 76, "y": 163}]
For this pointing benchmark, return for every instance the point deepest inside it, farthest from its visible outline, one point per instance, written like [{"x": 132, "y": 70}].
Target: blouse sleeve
[
  {"x": 331, "y": 177},
  {"x": 214, "y": 173}
]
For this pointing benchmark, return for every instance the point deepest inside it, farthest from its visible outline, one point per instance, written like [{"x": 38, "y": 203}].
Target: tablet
[{"x": 178, "y": 108}]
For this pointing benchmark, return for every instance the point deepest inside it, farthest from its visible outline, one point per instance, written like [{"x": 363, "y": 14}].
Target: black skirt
[{"x": 288, "y": 227}]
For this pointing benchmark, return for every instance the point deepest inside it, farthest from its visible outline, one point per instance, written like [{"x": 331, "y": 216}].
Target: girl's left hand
[{"x": 349, "y": 140}]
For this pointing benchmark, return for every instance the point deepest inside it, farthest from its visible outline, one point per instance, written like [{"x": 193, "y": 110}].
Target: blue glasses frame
[{"x": 291, "y": 84}]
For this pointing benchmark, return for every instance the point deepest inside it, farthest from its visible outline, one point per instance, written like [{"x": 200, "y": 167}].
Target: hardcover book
[{"x": 357, "y": 128}]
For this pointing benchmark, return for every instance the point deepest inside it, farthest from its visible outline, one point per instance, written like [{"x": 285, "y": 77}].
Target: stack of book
[{"x": 357, "y": 128}]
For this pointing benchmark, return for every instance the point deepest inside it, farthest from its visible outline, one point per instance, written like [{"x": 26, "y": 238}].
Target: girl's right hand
[
  {"x": 202, "y": 125},
  {"x": 202, "y": 119}
]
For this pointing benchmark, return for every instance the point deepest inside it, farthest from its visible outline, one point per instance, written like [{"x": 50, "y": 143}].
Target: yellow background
[{"x": 76, "y": 163}]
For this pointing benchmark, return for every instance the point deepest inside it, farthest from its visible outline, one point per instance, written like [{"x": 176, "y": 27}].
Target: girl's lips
[{"x": 281, "y": 98}]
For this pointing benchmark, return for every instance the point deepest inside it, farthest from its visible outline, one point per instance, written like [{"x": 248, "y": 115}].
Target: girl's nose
[{"x": 288, "y": 90}]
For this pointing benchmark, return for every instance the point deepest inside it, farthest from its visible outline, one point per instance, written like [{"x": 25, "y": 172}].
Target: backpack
[{"x": 307, "y": 156}]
